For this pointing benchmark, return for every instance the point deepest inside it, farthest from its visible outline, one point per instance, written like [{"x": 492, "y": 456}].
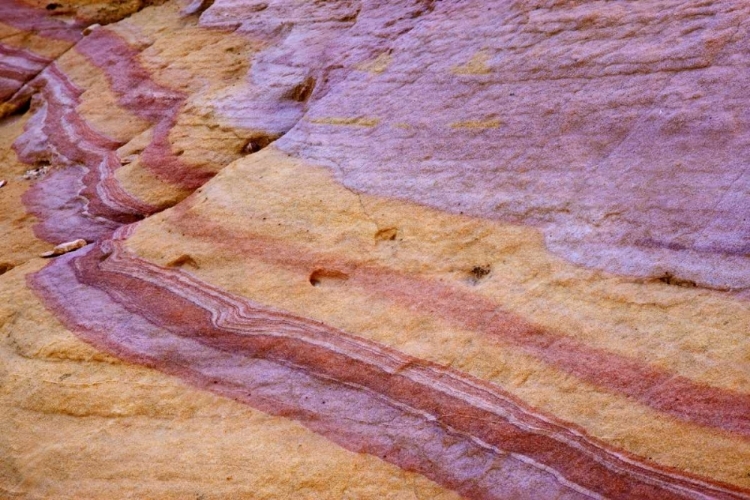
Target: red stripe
[
  {"x": 662, "y": 390},
  {"x": 194, "y": 311},
  {"x": 140, "y": 95}
]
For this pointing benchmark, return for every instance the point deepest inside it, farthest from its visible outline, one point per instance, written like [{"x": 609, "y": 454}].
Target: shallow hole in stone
[
  {"x": 183, "y": 260},
  {"x": 387, "y": 234},
  {"x": 324, "y": 277},
  {"x": 302, "y": 91},
  {"x": 479, "y": 272},
  {"x": 673, "y": 280},
  {"x": 256, "y": 143},
  {"x": 5, "y": 267}
]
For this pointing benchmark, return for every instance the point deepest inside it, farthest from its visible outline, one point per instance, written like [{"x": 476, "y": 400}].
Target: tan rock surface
[{"x": 364, "y": 249}]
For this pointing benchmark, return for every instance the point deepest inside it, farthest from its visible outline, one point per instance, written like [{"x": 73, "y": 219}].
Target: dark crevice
[
  {"x": 9, "y": 111},
  {"x": 258, "y": 142},
  {"x": 302, "y": 91},
  {"x": 22, "y": 107},
  {"x": 670, "y": 279}
]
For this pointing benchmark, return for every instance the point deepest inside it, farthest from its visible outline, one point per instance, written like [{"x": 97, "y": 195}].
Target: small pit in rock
[
  {"x": 478, "y": 273},
  {"x": 673, "y": 280},
  {"x": 182, "y": 261},
  {"x": 387, "y": 234},
  {"x": 326, "y": 277},
  {"x": 302, "y": 91},
  {"x": 256, "y": 143}
]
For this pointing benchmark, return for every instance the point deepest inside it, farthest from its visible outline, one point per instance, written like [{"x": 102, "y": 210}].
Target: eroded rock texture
[{"x": 374, "y": 249}]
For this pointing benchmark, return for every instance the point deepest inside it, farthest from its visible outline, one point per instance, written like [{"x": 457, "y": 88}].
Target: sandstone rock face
[{"x": 374, "y": 249}]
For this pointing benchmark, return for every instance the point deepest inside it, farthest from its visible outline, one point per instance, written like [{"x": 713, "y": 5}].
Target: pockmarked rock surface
[{"x": 374, "y": 249}]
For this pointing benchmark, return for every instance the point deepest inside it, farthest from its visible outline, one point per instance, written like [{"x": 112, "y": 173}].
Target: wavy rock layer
[{"x": 374, "y": 250}]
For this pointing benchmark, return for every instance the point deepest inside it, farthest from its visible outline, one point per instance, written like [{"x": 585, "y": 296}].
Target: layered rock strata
[{"x": 374, "y": 250}]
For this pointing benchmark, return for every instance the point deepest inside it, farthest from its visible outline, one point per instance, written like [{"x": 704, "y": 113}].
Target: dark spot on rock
[
  {"x": 302, "y": 91},
  {"x": 256, "y": 143},
  {"x": 53, "y": 6},
  {"x": 349, "y": 18},
  {"x": 671, "y": 279},
  {"x": 327, "y": 277},
  {"x": 387, "y": 234},
  {"x": 183, "y": 260},
  {"x": 479, "y": 272},
  {"x": 5, "y": 267}
]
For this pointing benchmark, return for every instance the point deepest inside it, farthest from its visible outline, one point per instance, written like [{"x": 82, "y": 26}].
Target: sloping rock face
[{"x": 374, "y": 249}]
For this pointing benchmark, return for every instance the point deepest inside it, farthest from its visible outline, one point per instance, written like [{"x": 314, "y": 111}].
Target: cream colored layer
[
  {"x": 17, "y": 241},
  {"x": 86, "y": 425},
  {"x": 204, "y": 62},
  {"x": 37, "y": 44},
  {"x": 101, "y": 11},
  {"x": 199, "y": 63},
  {"x": 140, "y": 182},
  {"x": 302, "y": 206},
  {"x": 145, "y": 26},
  {"x": 99, "y": 104}
]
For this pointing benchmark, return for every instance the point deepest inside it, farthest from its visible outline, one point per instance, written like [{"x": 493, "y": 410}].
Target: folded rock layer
[{"x": 369, "y": 249}]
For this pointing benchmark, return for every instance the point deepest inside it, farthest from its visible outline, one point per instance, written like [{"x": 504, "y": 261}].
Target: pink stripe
[
  {"x": 59, "y": 135},
  {"x": 17, "y": 66},
  {"x": 63, "y": 137}
]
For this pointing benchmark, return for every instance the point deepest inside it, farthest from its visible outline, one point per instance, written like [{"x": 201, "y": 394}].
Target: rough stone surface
[{"x": 374, "y": 249}]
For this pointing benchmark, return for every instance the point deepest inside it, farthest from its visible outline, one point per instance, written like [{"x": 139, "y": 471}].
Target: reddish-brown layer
[
  {"x": 108, "y": 296},
  {"x": 140, "y": 95},
  {"x": 662, "y": 390}
]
